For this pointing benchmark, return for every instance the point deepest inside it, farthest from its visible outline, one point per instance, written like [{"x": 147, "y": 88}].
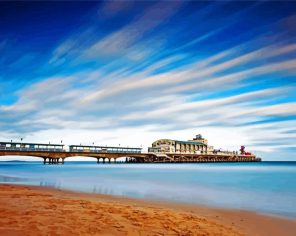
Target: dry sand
[{"x": 28, "y": 210}]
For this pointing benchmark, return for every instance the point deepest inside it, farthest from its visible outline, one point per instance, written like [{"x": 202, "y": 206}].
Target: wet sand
[{"x": 27, "y": 210}]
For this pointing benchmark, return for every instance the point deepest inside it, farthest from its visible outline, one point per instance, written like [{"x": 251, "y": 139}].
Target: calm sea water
[{"x": 266, "y": 187}]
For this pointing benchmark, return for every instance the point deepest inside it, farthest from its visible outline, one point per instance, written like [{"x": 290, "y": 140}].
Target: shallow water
[{"x": 266, "y": 187}]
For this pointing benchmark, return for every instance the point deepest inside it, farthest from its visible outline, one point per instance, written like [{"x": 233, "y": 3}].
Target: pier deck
[{"x": 56, "y": 157}]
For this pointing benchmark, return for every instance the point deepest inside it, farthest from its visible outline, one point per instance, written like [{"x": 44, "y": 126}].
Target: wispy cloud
[{"x": 134, "y": 79}]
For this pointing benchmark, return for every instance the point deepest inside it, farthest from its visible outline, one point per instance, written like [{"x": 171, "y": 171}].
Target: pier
[
  {"x": 54, "y": 157},
  {"x": 56, "y": 154}
]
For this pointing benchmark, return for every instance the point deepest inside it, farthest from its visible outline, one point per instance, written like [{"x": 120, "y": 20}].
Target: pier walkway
[{"x": 56, "y": 157}]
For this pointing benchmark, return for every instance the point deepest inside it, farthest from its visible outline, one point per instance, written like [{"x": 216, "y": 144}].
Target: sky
[{"x": 129, "y": 73}]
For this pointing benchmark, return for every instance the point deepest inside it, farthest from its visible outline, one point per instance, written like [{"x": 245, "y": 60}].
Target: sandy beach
[{"x": 43, "y": 211}]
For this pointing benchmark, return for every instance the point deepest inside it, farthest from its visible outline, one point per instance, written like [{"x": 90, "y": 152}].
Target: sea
[{"x": 264, "y": 187}]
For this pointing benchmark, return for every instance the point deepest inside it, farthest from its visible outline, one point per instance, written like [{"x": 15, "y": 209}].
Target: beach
[{"x": 30, "y": 210}]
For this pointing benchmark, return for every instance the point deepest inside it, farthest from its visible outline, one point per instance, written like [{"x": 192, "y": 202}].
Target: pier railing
[
  {"x": 105, "y": 151},
  {"x": 32, "y": 149}
]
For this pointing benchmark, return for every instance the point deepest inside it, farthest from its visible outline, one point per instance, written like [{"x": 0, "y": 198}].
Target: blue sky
[{"x": 126, "y": 72}]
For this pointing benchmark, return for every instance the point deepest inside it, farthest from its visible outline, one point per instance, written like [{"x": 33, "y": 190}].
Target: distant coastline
[{"x": 16, "y": 161}]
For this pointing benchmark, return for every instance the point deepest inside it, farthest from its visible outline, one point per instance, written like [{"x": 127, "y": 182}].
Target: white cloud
[{"x": 120, "y": 102}]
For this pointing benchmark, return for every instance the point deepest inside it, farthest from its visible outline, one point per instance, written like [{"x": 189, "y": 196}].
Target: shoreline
[
  {"x": 99, "y": 214},
  {"x": 162, "y": 202}
]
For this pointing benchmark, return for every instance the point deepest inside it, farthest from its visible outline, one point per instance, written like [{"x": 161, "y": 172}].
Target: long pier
[{"x": 58, "y": 157}]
